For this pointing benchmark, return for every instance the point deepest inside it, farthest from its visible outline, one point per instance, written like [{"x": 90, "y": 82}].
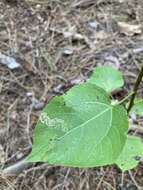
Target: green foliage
[
  {"x": 107, "y": 78},
  {"x": 138, "y": 107},
  {"x": 83, "y": 129},
  {"x": 86, "y": 138},
  {"x": 131, "y": 153}
]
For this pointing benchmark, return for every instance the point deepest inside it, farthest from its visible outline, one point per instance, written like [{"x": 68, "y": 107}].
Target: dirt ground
[{"x": 57, "y": 44}]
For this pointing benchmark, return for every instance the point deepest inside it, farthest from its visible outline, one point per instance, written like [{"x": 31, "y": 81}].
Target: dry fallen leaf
[{"x": 129, "y": 29}]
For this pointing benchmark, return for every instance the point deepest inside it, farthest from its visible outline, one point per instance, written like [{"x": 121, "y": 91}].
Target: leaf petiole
[{"x": 126, "y": 98}]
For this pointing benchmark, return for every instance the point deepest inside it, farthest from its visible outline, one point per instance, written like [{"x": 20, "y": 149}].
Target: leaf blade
[
  {"x": 88, "y": 129},
  {"x": 107, "y": 78},
  {"x": 138, "y": 107},
  {"x": 133, "y": 149}
]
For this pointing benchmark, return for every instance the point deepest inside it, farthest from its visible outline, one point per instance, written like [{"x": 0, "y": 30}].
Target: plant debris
[{"x": 129, "y": 29}]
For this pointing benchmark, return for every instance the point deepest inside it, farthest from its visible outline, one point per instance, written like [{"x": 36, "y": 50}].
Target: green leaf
[
  {"x": 86, "y": 93},
  {"x": 82, "y": 129},
  {"x": 107, "y": 78},
  {"x": 138, "y": 107},
  {"x": 131, "y": 153}
]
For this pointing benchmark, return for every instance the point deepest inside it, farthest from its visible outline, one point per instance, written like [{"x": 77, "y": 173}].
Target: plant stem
[
  {"x": 126, "y": 98},
  {"x": 135, "y": 89}
]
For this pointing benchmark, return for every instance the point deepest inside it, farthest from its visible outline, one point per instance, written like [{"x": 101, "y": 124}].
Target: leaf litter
[{"x": 36, "y": 31}]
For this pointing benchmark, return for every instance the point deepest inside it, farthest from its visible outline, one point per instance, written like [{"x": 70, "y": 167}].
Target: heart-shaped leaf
[
  {"x": 131, "y": 154},
  {"x": 107, "y": 78},
  {"x": 80, "y": 129},
  {"x": 138, "y": 107}
]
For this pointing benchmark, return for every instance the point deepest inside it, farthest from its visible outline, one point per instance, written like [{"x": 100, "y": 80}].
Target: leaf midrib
[
  {"x": 109, "y": 107},
  {"x": 103, "y": 136}
]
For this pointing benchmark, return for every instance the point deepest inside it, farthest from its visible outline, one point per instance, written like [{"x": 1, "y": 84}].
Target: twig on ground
[
  {"x": 134, "y": 181},
  {"x": 17, "y": 167},
  {"x": 136, "y": 128}
]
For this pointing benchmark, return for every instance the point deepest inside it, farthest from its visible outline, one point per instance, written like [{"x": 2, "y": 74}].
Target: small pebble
[
  {"x": 38, "y": 6},
  {"x": 29, "y": 94},
  {"x": 93, "y": 24},
  {"x": 68, "y": 51},
  {"x": 36, "y": 104},
  {"x": 19, "y": 155}
]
